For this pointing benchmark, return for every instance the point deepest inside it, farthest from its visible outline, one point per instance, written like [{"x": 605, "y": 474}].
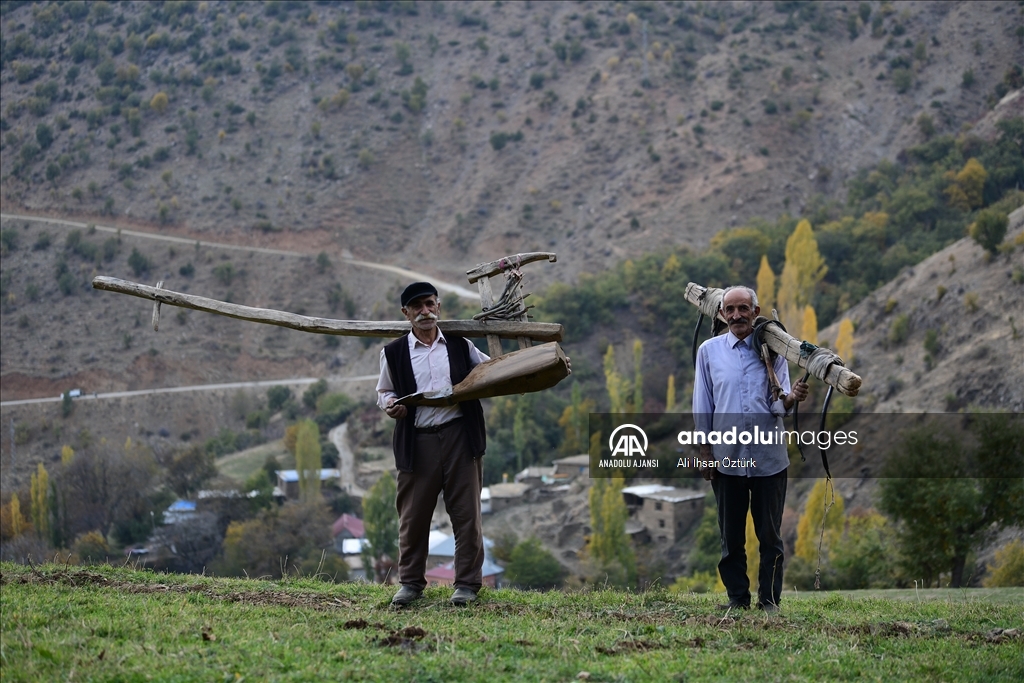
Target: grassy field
[
  {"x": 243, "y": 464},
  {"x": 104, "y": 624}
]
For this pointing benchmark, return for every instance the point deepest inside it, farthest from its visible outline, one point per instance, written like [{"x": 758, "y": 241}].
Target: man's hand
[
  {"x": 796, "y": 395},
  {"x": 568, "y": 364},
  {"x": 395, "y": 410},
  {"x": 707, "y": 454}
]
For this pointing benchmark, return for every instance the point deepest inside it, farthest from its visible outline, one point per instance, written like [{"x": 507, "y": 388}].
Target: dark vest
[{"x": 399, "y": 363}]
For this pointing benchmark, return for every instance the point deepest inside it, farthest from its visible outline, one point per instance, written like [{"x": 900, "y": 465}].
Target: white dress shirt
[
  {"x": 432, "y": 372},
  {"x": 731, "y": 390}
]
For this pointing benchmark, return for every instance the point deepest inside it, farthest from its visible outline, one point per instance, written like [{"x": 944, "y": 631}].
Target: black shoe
[
  {"x": 463, "y": 596},
  {"x": 406, "y": 596},
  {"x": 734, "y": 604},
  {"x": 769, "y": 608}
]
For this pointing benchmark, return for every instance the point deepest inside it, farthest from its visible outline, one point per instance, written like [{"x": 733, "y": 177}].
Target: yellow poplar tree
[
  {"x": 809, "y": 331},
  {"x": 808, "y": 529},
  {"x": 574, "y": 422},
  {"x": 753, "y": 547},
  {"x": 39, "y": 488},
  {"x": 66, "y": 454},
  {"x": 844, "y": 340},
  {"x": 615, "y": 383},
  {"x": 804, "y": 269},
  {"x": 765, "y": 286},
  {"x": 17, "y": 521},
  {"x": 670, "y": 394}
]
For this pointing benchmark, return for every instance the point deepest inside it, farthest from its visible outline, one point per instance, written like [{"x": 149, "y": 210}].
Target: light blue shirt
[{"x": 731, "y": 390}]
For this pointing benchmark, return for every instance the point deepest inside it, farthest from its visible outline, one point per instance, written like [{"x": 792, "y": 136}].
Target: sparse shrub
[
  {"x": 890, "y": 305},
  {"x": 224, "y": 272},
  {"x": 366, "y": 158},
  {"x": 139, "y": 263},
  {"x": 1008, "y": 568},
  {"x": 9, "y": 239},
  {"x": 967, "y": 79},
  {"x": 900, "y": 329},
  {"x": 940, "y": 292},
  {"x": 537, "y": 81},
  {"x": 971, "y": 302},
  {"x": 902, "y": 79}
]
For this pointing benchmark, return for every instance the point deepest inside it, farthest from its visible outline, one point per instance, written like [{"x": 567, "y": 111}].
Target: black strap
[{"x": 696, "y": 338}]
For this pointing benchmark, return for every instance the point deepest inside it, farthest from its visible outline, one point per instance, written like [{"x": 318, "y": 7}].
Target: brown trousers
[{"x": 443, "y": 462}]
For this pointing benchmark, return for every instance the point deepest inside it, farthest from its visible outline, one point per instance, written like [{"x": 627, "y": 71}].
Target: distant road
[
  {"x": 404, "y": 272},
  {"x": 197, "y": 387}
]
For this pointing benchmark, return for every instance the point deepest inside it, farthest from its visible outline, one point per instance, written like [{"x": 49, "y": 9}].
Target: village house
[
  {"x": 665, "y": 511},
  {"x": 502, "y": 496},
  {"x": 573, "y": 466},
  {"x": 288, "y": 480}
]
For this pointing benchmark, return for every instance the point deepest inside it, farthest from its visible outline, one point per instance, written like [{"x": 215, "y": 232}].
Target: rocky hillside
[{"x": 448, "y": 133}]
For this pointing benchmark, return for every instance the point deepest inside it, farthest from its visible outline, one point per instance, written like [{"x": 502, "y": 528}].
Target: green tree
[
  {"x": 307, "y": 460},
  {"x": 189, "y": 470},
  {"x": 989, "y": 229},
  {"x": 281, "y": 541},
  {"x": 949, "y": 498},
  {"x": 638, "y": 376},
  {"x": 609, "y": 549},
  {"x": 532, "y": 566},
  {"x": 864, "y": 556},
  {"x": 707, "y": 543},
  {"x": 380, "y": 521}
]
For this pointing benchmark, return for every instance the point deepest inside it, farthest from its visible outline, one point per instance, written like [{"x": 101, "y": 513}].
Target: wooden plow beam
[
  {"x": 828, "y": 370},
  {"x": 527, "y": 370}
]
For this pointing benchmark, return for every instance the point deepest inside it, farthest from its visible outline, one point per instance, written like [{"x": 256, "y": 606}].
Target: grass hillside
[{"x": 106, "y": 623}]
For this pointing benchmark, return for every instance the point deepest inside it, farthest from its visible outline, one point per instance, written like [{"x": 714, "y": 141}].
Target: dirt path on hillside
[
  {"x": 396, "y": 270},
  {"x": 346, "y": 460}
]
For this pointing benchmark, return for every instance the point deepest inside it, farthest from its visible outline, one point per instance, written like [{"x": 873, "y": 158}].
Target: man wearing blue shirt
[{"x": 732, "y": 396}]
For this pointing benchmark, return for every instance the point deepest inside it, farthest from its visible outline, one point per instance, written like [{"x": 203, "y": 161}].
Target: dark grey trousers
[
  {"x": 766, "y": 498},
  {"x": 443, "y": 462}
]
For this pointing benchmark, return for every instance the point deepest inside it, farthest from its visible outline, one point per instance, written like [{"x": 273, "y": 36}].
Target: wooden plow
[
  {"x": 818, "y": 361},
  {"x": 531, "y": 368}
]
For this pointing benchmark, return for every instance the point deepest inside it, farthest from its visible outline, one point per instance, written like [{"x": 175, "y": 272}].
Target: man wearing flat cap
[{"x": 437, "y": 449}]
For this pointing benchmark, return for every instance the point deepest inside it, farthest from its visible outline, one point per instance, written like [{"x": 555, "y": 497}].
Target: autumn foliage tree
[
  {"x": 967, "y": 186},
  {"x": 804, "y": 269},
  {"x": 765, "y": 286},
  {"x": 844, "y": 341}
]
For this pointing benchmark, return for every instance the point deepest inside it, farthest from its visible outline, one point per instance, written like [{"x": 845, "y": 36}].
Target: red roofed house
[{"x": 345, "y": 527}]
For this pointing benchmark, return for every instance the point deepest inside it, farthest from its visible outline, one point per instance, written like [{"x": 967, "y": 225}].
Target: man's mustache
[
  {"x": 739, "y": 320},
  {"x": 425, "y": 316}
]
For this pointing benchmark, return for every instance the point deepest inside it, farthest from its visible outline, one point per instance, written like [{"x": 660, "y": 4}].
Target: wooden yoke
[
  {"x": 824, "y": 364},
  {"x": 510, "y": 306}
]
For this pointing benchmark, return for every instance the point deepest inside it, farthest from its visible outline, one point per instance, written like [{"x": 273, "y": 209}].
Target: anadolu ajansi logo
[{"x": 628, "y": 444}]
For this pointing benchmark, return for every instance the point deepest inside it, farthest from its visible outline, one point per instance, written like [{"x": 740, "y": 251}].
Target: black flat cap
[{"x": 416, "y": 290}]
